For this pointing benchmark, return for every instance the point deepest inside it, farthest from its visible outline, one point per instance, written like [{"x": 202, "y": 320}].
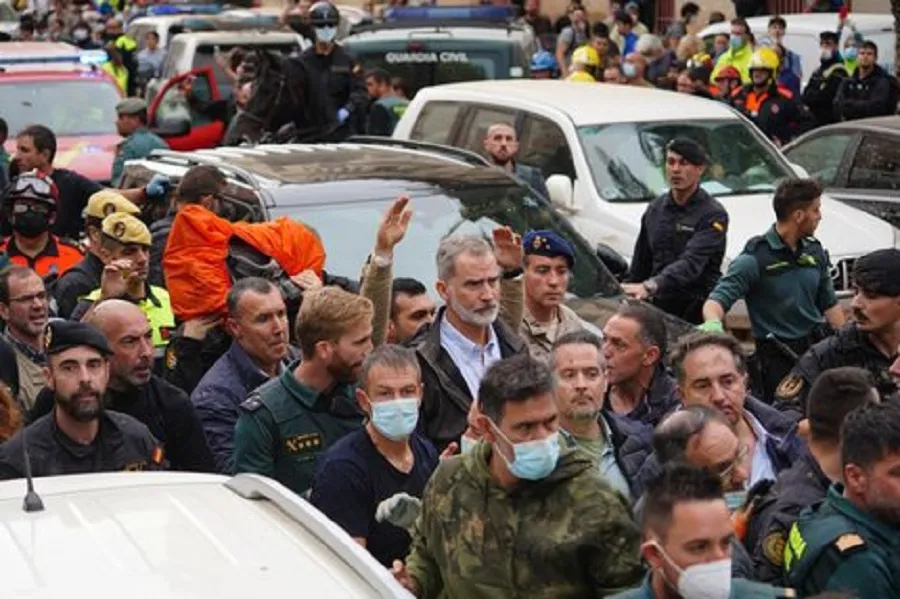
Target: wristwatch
[
  {"x": 381, "y": 261},
  {"x": 512, "y": 274}
]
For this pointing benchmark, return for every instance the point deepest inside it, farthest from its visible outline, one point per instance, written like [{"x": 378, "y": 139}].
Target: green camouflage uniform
[
  {"x": 568, "y": 535},
  {"x": 137, "y": 145}
]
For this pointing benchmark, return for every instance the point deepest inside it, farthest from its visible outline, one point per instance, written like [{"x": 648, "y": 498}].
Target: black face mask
[{"x": 31, "y": 224}]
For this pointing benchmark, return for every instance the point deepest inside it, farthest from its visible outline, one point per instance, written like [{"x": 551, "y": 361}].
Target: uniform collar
[
  {"x": 695, "y": 197},
  {"x": 50, "y": 249},
  {"x": 309, "y": 397},
  {"x": 841, "y": 504}
]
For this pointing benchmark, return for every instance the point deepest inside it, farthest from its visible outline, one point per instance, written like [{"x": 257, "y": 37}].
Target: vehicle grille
[{"x": 842, "y": 275}]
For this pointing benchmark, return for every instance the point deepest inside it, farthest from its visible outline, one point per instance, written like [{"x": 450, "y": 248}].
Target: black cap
[
  {"x": 688, "y": 149},
  {"x": 879, "y": 272},
  {"x": 61, "y": 335}
]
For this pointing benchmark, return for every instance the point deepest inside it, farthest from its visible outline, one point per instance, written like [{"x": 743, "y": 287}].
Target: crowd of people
[
  {"x": 762, "y": 78},
  {"x": 494, "y": 446}
]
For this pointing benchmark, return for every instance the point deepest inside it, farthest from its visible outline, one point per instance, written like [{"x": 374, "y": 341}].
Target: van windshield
[
  {"x": 627, "y": 160},
  {"x": 423, "y": 67}
]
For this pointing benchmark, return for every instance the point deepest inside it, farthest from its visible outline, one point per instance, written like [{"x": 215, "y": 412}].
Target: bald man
[
  {"x": 134, "y": 389},
  {"x": 502, "y": 147}
]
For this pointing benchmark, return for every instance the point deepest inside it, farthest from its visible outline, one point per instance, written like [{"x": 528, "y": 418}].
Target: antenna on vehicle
[{"x": 33, "y": 502}]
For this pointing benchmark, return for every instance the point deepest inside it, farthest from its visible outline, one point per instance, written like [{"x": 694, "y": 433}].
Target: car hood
[
  {"x": 844, "y": 231},
  {"x": 89, "y": 155}
]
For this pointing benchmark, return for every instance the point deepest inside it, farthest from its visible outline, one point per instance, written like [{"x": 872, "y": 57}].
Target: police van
[{"x": 430, "y": 45}]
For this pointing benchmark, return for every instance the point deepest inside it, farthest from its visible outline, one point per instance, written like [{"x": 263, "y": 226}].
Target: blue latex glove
[
  {"x": 342, "y": 115},
  {"x": 158, "y": 187}
]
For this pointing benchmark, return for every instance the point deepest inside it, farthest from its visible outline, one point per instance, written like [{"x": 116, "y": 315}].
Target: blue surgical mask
[
  {"x": 735, "y": 41},
  {"x": 735, "y": 499},
  {"x": 629, "y": 70},
  {"x": 396, "y": 419},
  {"x": 326, "y": 34},
  {"x": 533, "y": 460},
  {"x": 850, "y": 53},
  {"x": 467, "y": 444}
]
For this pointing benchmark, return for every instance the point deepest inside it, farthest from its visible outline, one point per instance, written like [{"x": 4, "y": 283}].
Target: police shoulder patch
[
  {"x": 252, "y": 403},
  {"x": 773, "y": 548},
  {"x": 790, "y": 387},
  {"x": 849, "y": 542}
]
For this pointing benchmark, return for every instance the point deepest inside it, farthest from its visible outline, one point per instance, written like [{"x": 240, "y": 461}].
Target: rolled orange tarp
[{"x": 197, "y": 276}]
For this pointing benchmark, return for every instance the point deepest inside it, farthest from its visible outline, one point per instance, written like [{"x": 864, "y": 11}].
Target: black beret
[
  {"x": 61, "y": 335},
  {"x": 548, "y": 243},
  {"x": 688, "y": 149},
  {"x": 879, "y": 272}
]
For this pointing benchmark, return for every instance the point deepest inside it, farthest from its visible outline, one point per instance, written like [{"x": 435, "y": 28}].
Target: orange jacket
[
  {"x": 197, "y": 275},
  {"x": 57, "y": 257}
]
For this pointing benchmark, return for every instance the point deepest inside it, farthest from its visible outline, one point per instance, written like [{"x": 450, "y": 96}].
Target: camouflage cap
[
  {"x": 106, "y": 202},
  {"x": 126, "y": 228},
  {"x": 131, "y": 106}
]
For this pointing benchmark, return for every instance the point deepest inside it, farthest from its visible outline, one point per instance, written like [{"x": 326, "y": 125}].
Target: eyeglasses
[
  {"x": 28, "y": 299},
  {"x": 21, "y": 207},
  {"x": 726, "y": 472}
]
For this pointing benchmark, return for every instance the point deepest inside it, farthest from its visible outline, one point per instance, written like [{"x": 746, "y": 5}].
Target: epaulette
[
  {"x": 252, "y": 403},
  {"x": 850, "y": 542}
]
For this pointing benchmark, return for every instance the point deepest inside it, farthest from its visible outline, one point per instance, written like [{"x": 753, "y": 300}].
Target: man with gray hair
[
  {"x": 467, "y": 335},
  {"x": 384, "y": 458}
]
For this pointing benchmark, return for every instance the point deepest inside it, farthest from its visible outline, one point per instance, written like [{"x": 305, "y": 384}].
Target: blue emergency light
[
  {"x": 85, "y": 57},
  {"x": 484, "y": 14},
  {"x": 184, "y": 9}
]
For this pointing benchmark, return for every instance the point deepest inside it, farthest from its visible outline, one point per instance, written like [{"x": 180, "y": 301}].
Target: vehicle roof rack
[
  {"x": 256, "y": 487},
  {"x": 466, "y": 156},
  {"x": 434, "y": 25},
  {"x": 190, "y": 159}
]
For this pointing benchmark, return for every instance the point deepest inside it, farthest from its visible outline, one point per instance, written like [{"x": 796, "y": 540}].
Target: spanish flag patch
[
  {"x": 157, "y": 456},
  {"x": 720, "y": 227}
]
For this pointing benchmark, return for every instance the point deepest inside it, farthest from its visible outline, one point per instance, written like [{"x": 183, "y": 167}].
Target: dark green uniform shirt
[
  {"x": 284, "y": 427},
  {"x": 835, "y": 546},
  {"x": 137, "y": 145},
  {"x": 787, "y": 293},
  {"x": 740, "y": 589}
]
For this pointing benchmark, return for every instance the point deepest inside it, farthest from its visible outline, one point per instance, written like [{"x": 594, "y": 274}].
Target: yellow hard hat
[
  {"x": 581, "y": 76},
  {"x": 764, "y": 58},
  {"x": 586, "y": 55}
]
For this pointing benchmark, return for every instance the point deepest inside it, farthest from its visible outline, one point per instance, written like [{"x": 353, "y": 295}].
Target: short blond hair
[{"x": 327, "y": 314}]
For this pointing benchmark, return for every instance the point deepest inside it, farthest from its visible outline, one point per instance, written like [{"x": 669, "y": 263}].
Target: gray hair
[
  {"x": 395, "y": 357},
  {"x": 671, "y": 437},
  {"x": 649, "y": 45},
  {"x": 452, "y": 247},
  {"x": 242, "y": 286}
]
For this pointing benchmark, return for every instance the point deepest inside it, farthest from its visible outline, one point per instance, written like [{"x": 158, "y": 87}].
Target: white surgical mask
[{"x": 711, "y": 580}]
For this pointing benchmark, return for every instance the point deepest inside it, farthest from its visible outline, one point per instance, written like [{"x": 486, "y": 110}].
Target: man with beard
[
  {"x": 678, "y": 254},
  {"x": 869, "y": 342},
  {"x": 502, "y": 148},
  {"x": 467, "y": 336},
  {"x": 617, "y": 446},
  {"x": 849, "y": 542},
  {"x": 30, "y": 206},
  {"x": 79, "y": 436},
  {"x": 24, "y": 309},
  {"x": 288, "y": 422}
]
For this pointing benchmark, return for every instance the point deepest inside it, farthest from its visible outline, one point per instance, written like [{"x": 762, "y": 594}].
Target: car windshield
[
  {"x": 89, "y": 107},
  {"x": 422, "y": 68},
  {"x": 627, "y": 160},
  {"x": 439, "y": 210}
]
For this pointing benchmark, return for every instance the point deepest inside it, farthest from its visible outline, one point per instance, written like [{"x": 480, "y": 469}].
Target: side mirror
[
  {"x": 173, "y": 128},
  {"x": 562, "y": 192},
  {"x": 801, "y": 172},
  {"x": 614, "y": 261}
]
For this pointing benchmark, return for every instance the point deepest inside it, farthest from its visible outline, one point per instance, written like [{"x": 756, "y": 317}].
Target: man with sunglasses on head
[
  {"x": 678, "y": 254},
  {"x": 29, "y": 205}
]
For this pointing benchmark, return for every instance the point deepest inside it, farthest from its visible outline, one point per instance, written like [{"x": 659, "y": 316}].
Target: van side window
[
  {"x": 482, "y": 119},
  {"x": 543, "y": 144},
  {"x": 435, "y": 122},
  {"x": 876, "y": 166}
]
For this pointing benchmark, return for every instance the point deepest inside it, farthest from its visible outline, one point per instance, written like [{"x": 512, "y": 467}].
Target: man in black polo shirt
[
  {"x": 382, "y": 459},
  {"x": 36, "y": 149}
]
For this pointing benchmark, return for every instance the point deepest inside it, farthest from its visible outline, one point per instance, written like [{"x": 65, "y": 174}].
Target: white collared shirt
[
  {"x": 761, "y": 467},
  {"x": 471, "y": 359}
]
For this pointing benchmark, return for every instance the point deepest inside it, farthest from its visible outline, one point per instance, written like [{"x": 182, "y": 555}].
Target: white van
[
  {"x": 602, "y": 149},
  {"x": 167, "y": 535}
]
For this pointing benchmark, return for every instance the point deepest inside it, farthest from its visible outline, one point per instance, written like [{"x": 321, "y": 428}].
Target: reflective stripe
[
  {"x": 796, "y": 547},
  {"x": 161, "y": 317}
]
